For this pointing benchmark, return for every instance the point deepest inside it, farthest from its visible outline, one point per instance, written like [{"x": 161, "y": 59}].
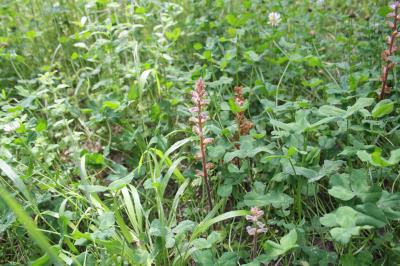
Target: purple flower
[
  {"x": 258, "y": 227},
  {"x": 251, "y": 230}
]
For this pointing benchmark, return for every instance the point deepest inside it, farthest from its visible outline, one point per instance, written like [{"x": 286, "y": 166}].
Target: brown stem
[
  {"x": 254, "y": 251},
  {"x": 391, "y": 44},
  {"x": 203, "y": 157}
]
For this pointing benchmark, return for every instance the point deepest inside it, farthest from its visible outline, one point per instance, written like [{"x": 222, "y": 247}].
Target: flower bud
[
  {"x": 210, "y": 166},
  {"x": 208, "y": 140},
  {"x": 194, "y": 110},
  {"x": 199, "y": 173},
  {"x": 196, "y": 130},
  {"x": 193, "y": 120},
  {"x": 198, "y": 155},
  {"x": 391, "y": 15}
]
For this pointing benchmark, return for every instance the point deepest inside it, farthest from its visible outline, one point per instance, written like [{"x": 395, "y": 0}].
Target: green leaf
[
  {"x": 377, "y": 160},
  {"x": 343, "y": 235},
  {"x": 383, "y": 108},
  {"x": 346, "y": 216},
  {"x": 384, "y": 10},
  {"x": 227, "y": 259},
  {"x": 17, "y": 181},
  {"x": 370, "y": 214},
  {"x": 342, "y": 193},
  {"x": 360, "y": 104},
  {"x": 253, "y": 199},
  {"x": 279, "y": 200},
  {"x": 197, "y": 46},
  {"x": 113, "y": 105},
  {"x": 203, "y": 257},
  {"x": 120, "y": 183},
  {"x": 390, "y": 205},
  {"x": 41, "y": 125},
  {"x": 331, "y": 110},
  {"x": 201, "y": 243},
  {"x": 224, "y": 191},
  {"x": 231, "y": 19},
  {"x": 25, "y": 219},
  {"x": 173, "y": 35},
  {"x": 92, "y": 188},
  {"x": 96, "y": 159},
  {"x": 215, "y": 152},
  {"x": 183, "y": 227},
  {"x": 203, "y": 226},
  {"x": 288, "y": 242}
]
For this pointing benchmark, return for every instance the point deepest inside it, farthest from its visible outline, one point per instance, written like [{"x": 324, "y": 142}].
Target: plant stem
[
  {"x": 386, "y": 72},
  {"x": 203, "y": 157},
  {"x": 254, "y": 251}
]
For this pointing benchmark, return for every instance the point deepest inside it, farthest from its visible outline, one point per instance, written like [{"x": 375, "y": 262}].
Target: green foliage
[{"x": 98, "y": 158}]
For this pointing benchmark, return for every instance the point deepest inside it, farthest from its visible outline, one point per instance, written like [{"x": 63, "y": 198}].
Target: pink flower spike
[{"x": 200, "y": 85}]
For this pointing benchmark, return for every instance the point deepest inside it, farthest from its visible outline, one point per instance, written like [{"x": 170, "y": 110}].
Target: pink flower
[
  {"x": 261, "y": 228},
  {"x": 208, "y": 140},
  {"x": 255, "y": 211},
  {"x": 251, "y": 218},
  {"x": 258, "y": 227},
  {"x": 200, "y": 85},
  {"x": 196, "y": 130},
  {"x": 194, "y": 109},
  {"x": 251, "y": 230}
]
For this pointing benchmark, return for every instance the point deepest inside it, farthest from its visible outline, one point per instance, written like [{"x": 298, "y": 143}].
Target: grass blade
[
  {"x": 17, "y": 181},
  {"x": 30, "y": 226}
]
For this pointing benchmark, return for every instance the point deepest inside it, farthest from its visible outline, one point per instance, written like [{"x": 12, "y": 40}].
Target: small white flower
[
  {"x": 319, "y": 2},
  {"x": 274, "y": 19},
  {"x": 10, "y": 127}
]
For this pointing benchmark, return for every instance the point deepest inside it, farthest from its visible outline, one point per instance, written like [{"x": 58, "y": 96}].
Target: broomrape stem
[
  {"x": 385, "y": 90},
  {"x": 254, "y": 251},
  {"x": 257, "y": 227},
  {"x": 198, "y": 98},
  {"x": 203, "y": 159}
]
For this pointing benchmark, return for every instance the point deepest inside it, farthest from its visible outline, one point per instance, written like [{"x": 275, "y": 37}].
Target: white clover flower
[
  {"x": 274, "y": 18},
  {"x": 11, "y": 126}
]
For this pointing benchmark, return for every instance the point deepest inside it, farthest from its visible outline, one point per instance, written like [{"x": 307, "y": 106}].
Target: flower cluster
[
  {"x": 258, "y": 227},
  {"x": 199, "y": 98},
  {"x": 389, "y": 52},
  {"x": 274, "y": 18},
  {"x": 199, "y": 95},
  {"x": 244, "y": 124}
]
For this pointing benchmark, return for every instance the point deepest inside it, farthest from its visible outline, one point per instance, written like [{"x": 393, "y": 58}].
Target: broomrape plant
[
  {"x": 199, "y": 118},
  {"x": 388, "y": 54},
  {"x": 98, "y": 167}
]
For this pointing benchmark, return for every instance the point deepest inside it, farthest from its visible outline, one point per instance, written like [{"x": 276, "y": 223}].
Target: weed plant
[{"x": 99, "y": 156}]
